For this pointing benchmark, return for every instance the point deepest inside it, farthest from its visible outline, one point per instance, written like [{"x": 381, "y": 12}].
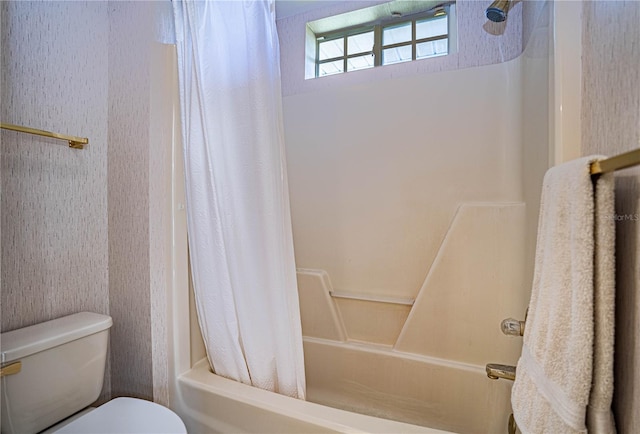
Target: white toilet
[{"x": 55, "y": 369}]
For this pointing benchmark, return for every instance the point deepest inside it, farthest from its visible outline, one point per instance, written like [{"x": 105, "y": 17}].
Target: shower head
[{"x": 498, "y": 10}]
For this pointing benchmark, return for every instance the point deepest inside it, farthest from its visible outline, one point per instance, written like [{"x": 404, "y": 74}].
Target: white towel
[{"x": 556, "y": 371}]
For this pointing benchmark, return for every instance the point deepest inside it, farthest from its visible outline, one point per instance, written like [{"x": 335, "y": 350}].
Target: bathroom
[{"x": 91, "y": 230}]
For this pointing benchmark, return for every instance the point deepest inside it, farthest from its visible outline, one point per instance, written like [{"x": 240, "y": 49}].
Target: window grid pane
[
  {"x": 396, "y": 55},
  {"x": 396, "y": 34},
  {"x": 330, "y": 49},
  {"x": 361, "y": 43},
  {"x": 431, "y": 27},
  {"x": 330, "y": 68},
  {"x": 360, "y": 62},
  {"x": 432, "y": 48}
]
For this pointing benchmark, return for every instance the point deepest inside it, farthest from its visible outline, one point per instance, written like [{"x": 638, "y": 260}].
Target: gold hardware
[
  {"x": 511, "y": 426},
  {"x": 11, "y": 369},
  {"x": 622, "y": 161},
  {"x": 503, "y": 5},
  {"x": 440, "y": 12},
  {"x": 496, "y": 371},
  {"x": 498, "y": 10},
  {"x": 512, "y": 327},
  {"x": 73, "y": 141}
]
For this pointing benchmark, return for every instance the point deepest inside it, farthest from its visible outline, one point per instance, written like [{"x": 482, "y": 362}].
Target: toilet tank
[{"x": 62, "y": 370}]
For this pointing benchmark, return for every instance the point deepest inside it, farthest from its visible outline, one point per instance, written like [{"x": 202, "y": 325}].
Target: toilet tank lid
[{"x": 26, "y": 341}]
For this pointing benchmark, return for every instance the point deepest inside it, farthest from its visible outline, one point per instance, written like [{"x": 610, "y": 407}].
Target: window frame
[
  {"x": 413, "y": 42},
  {"x": 378, "y": 48},
  {"x": 343, "y": 33}
]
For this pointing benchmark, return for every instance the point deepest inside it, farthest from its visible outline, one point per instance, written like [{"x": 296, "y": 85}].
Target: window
[
  {"x": 348, "y": 51},
  {"x": 415, "y": 39},
  {"x": 385, "y": 42}
]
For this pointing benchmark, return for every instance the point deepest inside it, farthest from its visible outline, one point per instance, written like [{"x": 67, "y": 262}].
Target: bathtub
[
  {"x": 352, "y": 386},
  {"x": 433, "y": 396}
]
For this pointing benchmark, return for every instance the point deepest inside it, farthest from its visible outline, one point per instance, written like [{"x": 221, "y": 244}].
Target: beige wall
[{"x": 611, "y": 125}]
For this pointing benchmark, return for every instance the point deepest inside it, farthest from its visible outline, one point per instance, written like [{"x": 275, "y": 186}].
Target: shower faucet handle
[{"x": 512, "y": 327}]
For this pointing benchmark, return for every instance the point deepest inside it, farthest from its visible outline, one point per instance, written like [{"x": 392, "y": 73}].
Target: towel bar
[
  {"x": 622, "y": 161},
  {"x": 11, "y": 369},
  {"x": 73, "y": 141}
]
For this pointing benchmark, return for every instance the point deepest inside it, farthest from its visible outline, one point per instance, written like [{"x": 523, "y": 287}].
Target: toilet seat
[{"x": 127, "y": 415}]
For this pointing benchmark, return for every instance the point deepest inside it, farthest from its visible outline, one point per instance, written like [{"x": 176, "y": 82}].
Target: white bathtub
[
  {"x": 217, "y": 405},
  {"x": 351, "y": 386},
  {"x": 435, "y": 396}
]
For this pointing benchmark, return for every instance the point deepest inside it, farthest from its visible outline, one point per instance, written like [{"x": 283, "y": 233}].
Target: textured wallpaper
[
  {"x": 54, "y": 199},
  {"x": 610, "y": 126},
  {"x": 76, "y": 225},
  {"x": 130, "y": 39}
]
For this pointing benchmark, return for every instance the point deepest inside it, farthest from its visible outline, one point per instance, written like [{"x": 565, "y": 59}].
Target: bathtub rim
[{"x": 322, "y": 417}]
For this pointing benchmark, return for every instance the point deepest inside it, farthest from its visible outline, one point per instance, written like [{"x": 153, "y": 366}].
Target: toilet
[{"x": 53, "y": 371}]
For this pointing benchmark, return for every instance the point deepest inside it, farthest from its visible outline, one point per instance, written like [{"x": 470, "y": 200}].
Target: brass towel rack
[
  {"x": 622, "y": 161},
  {"x": 74, "y": 142}
]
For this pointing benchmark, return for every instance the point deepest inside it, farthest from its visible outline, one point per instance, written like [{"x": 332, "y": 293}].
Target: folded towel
[{"x": 556, "y": 369}]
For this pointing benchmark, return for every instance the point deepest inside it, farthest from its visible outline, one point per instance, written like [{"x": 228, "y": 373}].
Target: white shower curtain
[{"x": 238, "y": 218}]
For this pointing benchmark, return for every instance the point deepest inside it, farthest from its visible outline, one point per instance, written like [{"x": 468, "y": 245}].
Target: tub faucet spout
[{"x": 496, "y": 371}]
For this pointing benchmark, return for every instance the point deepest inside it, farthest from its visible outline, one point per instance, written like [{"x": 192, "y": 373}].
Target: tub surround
[
  {"x": 471, "y": 287},
  {"x": 318, "y": 311},
  {"x": 463, "y": 275},
  {"x": 432, "y": 352},
  {"x": 377, "y": 172}
]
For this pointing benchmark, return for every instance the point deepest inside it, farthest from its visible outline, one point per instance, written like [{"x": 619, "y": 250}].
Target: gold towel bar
[
  {"x": 622, "y": 161},
  {"x": 74, "y": 142},
  {"x": 11, "y": 369}
]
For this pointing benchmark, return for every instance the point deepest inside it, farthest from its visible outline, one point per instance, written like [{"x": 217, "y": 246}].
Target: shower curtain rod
[
  {"x": 74, "y": 142},
  {"x": 622, "y": 161}
]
